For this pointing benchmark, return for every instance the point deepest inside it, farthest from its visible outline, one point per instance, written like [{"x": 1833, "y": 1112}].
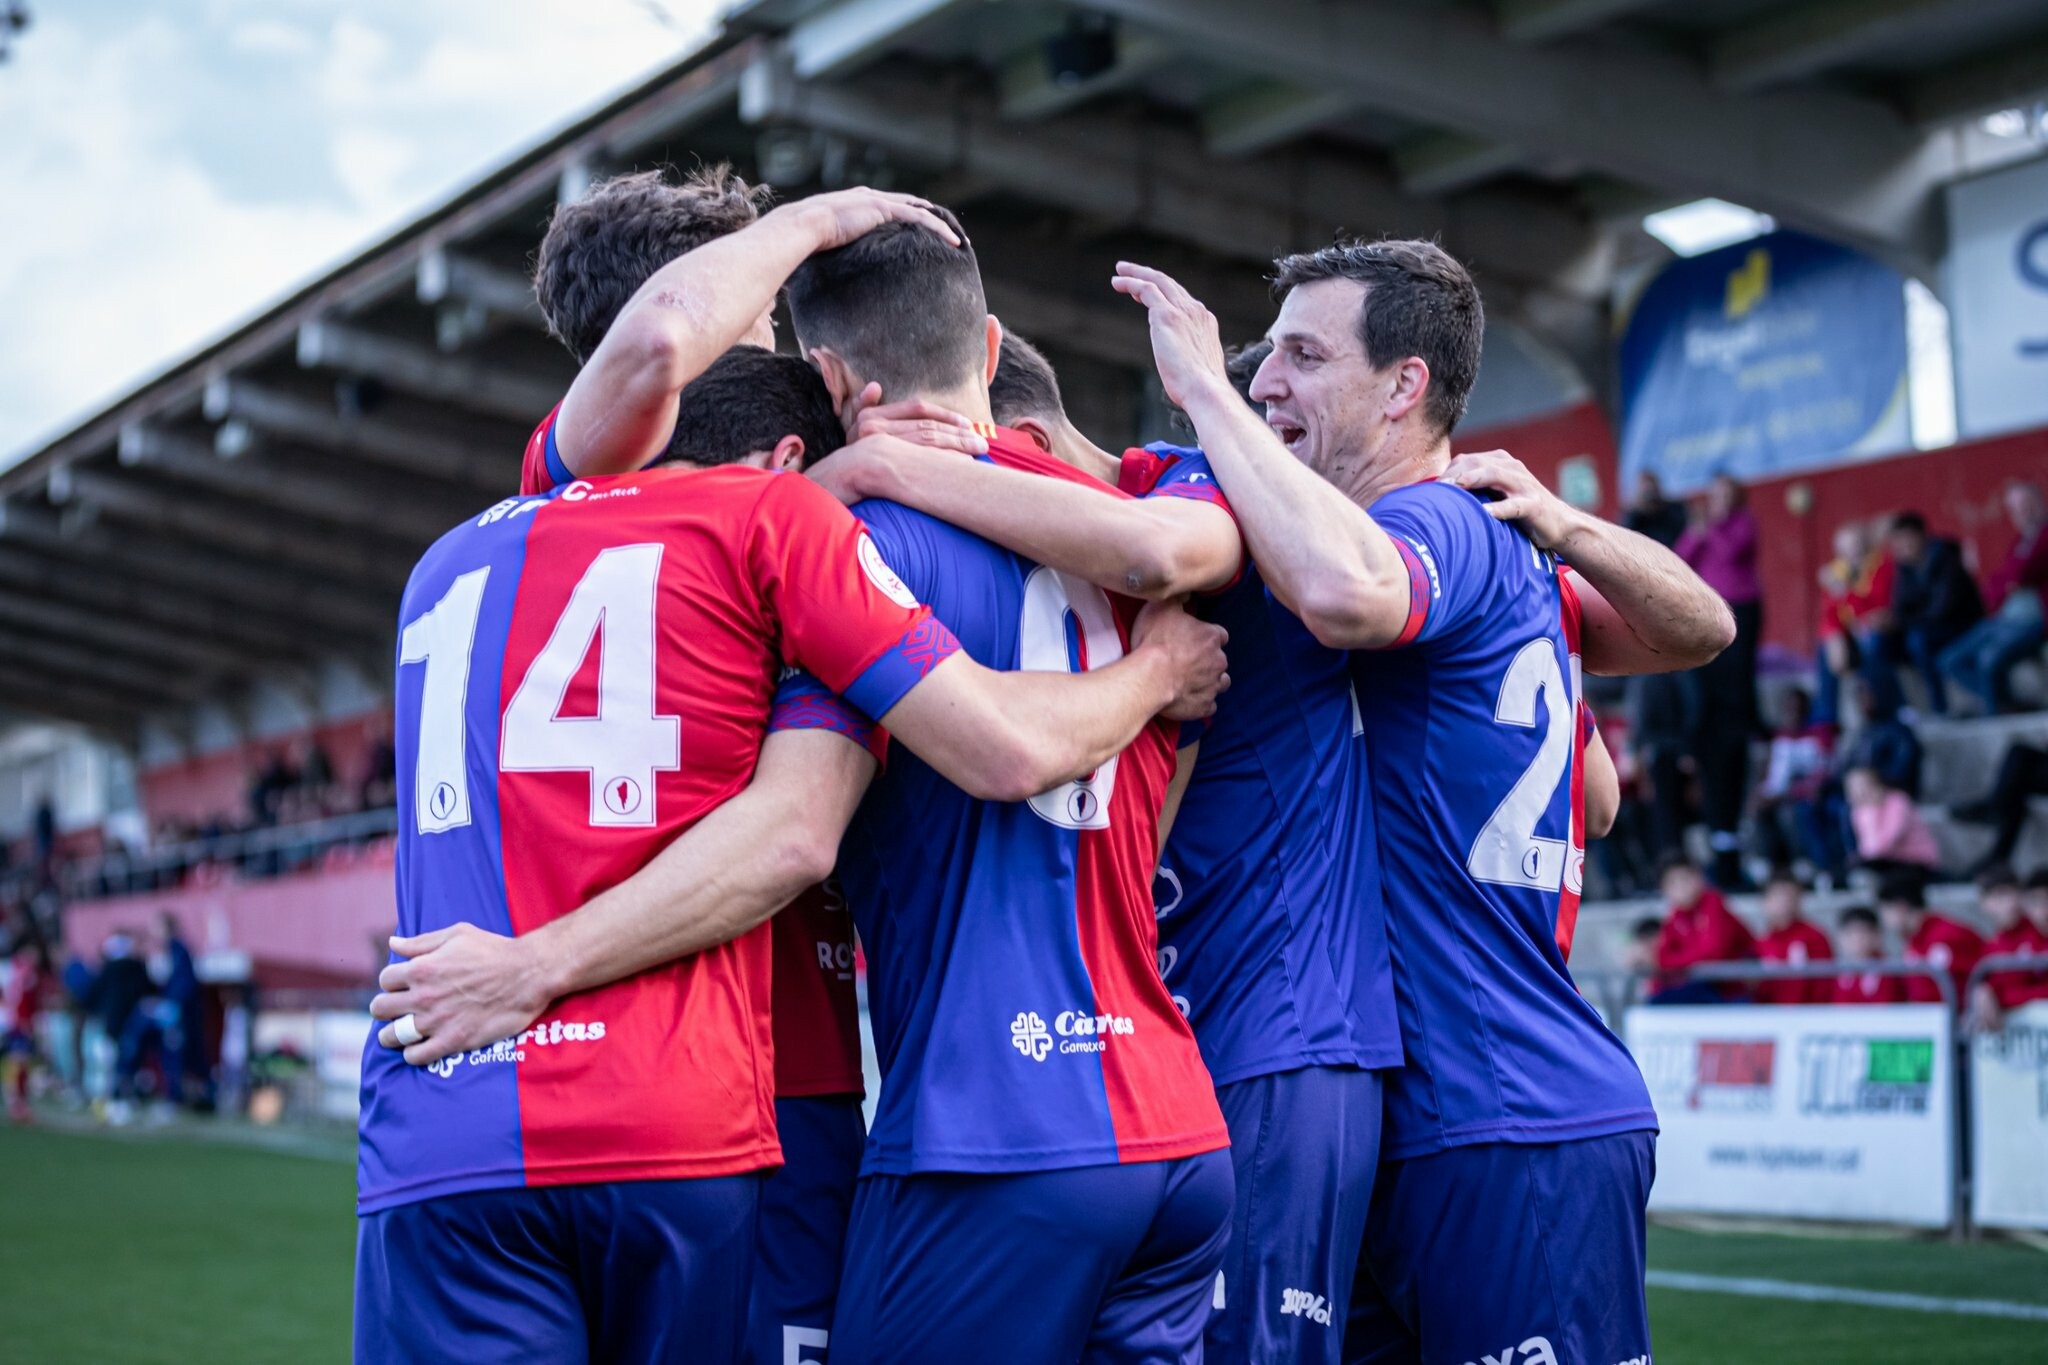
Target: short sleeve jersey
[
  {"x": 1017, "y": 1008},
  {"x": 1470, "y": 721},
  {"x": 1272, "y": 926},
  {"x": 580, "y": 678},
  {"x": 817, "y": 1018}
]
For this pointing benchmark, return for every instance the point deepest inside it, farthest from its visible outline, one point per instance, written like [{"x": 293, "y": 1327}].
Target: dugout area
[{"x": 253, "y": 509}]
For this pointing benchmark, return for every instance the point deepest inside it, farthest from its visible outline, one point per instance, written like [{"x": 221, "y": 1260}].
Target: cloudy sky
[{"x": 166, "y": 170}]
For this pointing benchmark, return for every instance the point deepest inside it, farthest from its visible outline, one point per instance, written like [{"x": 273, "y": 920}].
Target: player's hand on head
[
  {"x": 1543, "y": 516},
  {"x": 843, "y": 215},
  {"x": 916, "y": 421},
  {"x": 1187, "y": 346},
  {"x": 462, "y": 987},
  {"x": 1194, "y": 650}
]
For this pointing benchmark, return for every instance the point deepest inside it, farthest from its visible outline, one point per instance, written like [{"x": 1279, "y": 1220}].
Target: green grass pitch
[{"x": 148, "y": 1249}]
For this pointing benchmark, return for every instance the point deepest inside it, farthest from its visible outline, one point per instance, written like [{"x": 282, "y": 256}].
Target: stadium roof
[{"x": 256, "y": 506}]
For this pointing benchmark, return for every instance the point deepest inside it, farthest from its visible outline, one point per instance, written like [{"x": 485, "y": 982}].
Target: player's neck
[
  {"x": 1083, "y": 454},
  {"x": 969, "y": 400},
  {"x": 1405, "y": 458}
]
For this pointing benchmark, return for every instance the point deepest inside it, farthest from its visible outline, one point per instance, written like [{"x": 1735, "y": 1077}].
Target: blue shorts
[
  {"x": 636, "y": 1271},
  {"x": 1524, "y": 1255},
  {"x": 1305, "y": 1145},
  {"x": 1097, "y": 1264},
  {"x": 804, "y": 1211}
]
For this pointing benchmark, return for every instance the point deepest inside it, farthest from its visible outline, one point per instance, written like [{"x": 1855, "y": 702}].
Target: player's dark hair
[
  {"x": 601, "y": 248},
  {"x": 899, "y": 305},
  {"x": 1857, "y": 914},
  {"x": 1999, "y": 877},
  {"x": 1783, "y": 876},
  {"x": 1242, "y": 364},
  {"x": 1903, "y": 888},
  {"x": 747, "y": 401},
  {"x": 1419, "y": 301},
  {"x": 1024, "y": 384},
  {"x": 1910, "y": 521}
]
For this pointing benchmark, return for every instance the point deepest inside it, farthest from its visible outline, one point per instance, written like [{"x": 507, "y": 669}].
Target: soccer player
[
  {"x": 629, "y": 632},
  {"x": 1518, "y": 1135},
  {"x": 1272, "y": 934},
  {"x": 1045, "y": 1170}
]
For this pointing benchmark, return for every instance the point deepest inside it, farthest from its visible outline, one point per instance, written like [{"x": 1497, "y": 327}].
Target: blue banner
[{"x": 1763, "y": 358}]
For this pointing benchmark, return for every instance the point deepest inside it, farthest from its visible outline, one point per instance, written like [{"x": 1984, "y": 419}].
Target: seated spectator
[
  {"x": 380, "y": 783},
  {"x": 1788, "y": 816},
  {"x": 1981, "y": 661},
  {"x": 2022, "y": 776},
  {"x": 1663, "y": 718},
  {"x": 1886, "y": 744},
  {"x": 2014, "y": 930},
  {"x": 1698, "y": 928},
  {"x": 1891, "y": 837},
  {"x": 1934, "y": 600},
  {"x": 1793, "y": 940},
  {"x": 1855, "y": 595},
  {"x": 1927, "y": 937},
  {"x": 273, "y": 784},
  {"x": 1863, "y": 942},
  {"x": 1639, "y": 954}
]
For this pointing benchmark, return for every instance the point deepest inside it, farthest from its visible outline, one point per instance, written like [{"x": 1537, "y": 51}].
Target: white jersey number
[
  {"x": 1051, "y": 599},
  {"x": 621, "y": 748},
  {"x": 1508, "y": 850}
]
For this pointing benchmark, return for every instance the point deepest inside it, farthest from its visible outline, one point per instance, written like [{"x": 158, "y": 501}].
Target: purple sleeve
[{"x": 804, "y": 703}]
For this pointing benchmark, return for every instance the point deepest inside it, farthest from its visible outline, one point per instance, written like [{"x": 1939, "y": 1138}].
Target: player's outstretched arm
[
  {"x": 1010, "y": 736},
  {"x": 1325, "y": 559},
  {"x": 1603, "y": 788},
  {"x": 1154, "y": 548},
  {"x": 467, "y": 987},
  {"x": 1647, "y": 611},
  {"x": 621, "y": 410}
]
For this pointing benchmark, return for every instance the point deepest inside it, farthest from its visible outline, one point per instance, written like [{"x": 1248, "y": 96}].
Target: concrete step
[
  {"x": 1960, "y": 758},
  {"x": 1963, "y": 844}
]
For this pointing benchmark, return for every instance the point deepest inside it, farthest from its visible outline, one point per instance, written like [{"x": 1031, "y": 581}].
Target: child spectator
[
  {"x": 1792, "y": 940},
  {"x": 1639, "y": 954},
  {"x": 1927, "y": 937},
  {"x": 1698, "y": 928},
  {"x": 1862, "y": 942},
  {"x": 1891, "y": 838},
  {"x": 1789, "y": 806},
  {"x": 2013, "y": 931}
]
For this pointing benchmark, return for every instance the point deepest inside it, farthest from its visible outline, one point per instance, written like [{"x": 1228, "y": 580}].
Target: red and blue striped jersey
[
  {"x": 817, "y": 1018},
  {"x": 581, "y": 677},
  {"x": 1017, "y": 1007},
  {"x": 1272, "y": 927},
  {"x": 1471, "y": 725}
]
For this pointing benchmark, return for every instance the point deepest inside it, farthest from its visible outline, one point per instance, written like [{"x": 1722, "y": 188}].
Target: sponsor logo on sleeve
[{"x": 882, "y": 576}]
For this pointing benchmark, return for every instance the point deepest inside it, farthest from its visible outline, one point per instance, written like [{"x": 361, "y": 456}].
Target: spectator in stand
[
  {"x": 1863, "y": 942},
  {"x": 1663, "y": 721},
  {"x": 2022, "y": 776},
  {"x": 1698, "y": 928},
  {"x": 1652, "y": 514},
  {"x": 1891, "y": 838},
  {"x": 1722, "y": 550},
  {"x": 317, "y": 788},
  {"x": 1934, "y": 601},
  {"x": 380, "y": 783},
  {"x": 1855, "y": 592},
  {"x": 2015, "y": 930},
  {"x": 1639, "y": 954},
  {"x": 121, "y": 987},
  {"x": 1792, "y": 939},
  {"x": 1982, "y": 660},
  {"x": 268, "y": 794},
  {"x": 1791, "y": 802},
  {"x": 1927, "y": 937},
  {"x": 1888, "y": 746}
]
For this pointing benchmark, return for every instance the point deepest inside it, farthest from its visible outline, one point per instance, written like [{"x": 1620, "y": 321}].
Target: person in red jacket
[
  {"x": 1934, "y": 939},
  {"x": 1863, "y": 942},
  {"x": 1794, "y": 940},
  {"x": 2019, "y": 919},
  {"x": 1698, "y": 928}
]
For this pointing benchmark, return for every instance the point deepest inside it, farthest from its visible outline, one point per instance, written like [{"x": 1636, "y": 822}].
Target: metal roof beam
[
  {"x": 2004, "y": 80},
  {"x": 841, "y": 37},
  {"x": 108, "y": 624},
  {"x": 314, "y": 549},
  {"x": 165, "y": 682},
  {"x": 473, "y": 384},
  {"x": 395, "y": 445},
  {"x": 38, "y": 694},
  {"x": 1847, "y": 167},
  {"x": 1030, "y": 90},
  {"x": 1539, "y": 21},
  {"x": 1119, "y": 336},
  {"x": 350, "y": 502},
  {"x": 1264, "y": 114},
  {"x": 1446, "y": 162},
  {"x": 1801, "y": 40}
]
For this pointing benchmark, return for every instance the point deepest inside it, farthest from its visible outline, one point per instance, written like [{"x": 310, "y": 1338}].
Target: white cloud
[{"x": 166, "y": 177}]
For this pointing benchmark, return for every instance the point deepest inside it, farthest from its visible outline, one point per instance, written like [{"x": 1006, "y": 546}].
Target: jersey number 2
[
  {"x": 1508, "y": 850},
  {"x": 621, "y": 748},
  {"x": 1069, "y": 627}
]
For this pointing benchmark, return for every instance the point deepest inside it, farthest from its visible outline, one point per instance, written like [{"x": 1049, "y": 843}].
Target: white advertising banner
[
  {"x": 1840, "y": 1112},
  {"x": 2009, "y": 1120},
  {"x": 1997, "y": 274}
]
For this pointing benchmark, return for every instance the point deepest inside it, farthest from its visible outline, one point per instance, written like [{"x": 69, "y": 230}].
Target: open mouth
[{"x": 1290, "y": 435}]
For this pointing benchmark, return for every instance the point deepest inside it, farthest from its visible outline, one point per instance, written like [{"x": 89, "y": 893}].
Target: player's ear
[
  {"x": 788, "y": 454},
  {"x": 994, "y": 331},
  {"x": 1411, "y": 385},
  {"x": 839, "y": 380},
  {"x": 1035, "y": 429}
]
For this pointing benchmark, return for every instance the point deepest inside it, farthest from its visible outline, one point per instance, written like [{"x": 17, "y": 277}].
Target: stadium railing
[{"x": 261, "y": 852}]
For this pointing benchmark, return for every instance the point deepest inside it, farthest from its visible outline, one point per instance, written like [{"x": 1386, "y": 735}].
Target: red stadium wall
[
  {"x": 1545, "y": 443},
  {"x": 216, "y": 784}
]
